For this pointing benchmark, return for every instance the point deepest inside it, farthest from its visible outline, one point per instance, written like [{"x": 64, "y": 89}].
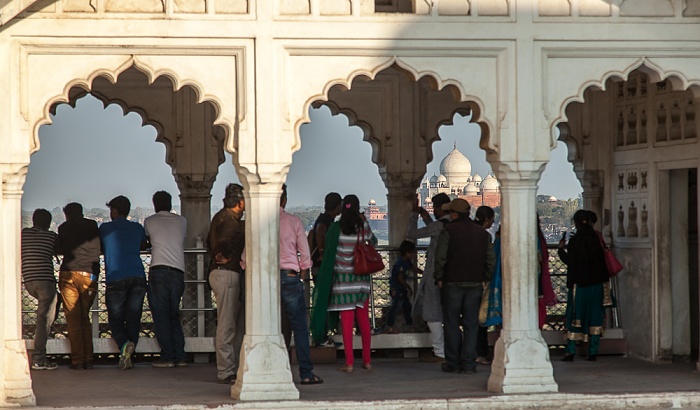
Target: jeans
[
  {"x": 124, "y": 300},
  {"x": 227, "y": 286},
  {"x": 45, "y": 293},
  {"x": 461, "y": 306},
  {"x": 292, "y": 298},
  {"x": 78, "y": 291},
  {"x": 399, "y": 298},
  {"x": 165, "y": 288}
]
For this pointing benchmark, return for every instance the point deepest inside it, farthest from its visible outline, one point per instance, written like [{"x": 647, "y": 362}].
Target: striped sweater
[
  {"x": 349, "y": 290},
  {"x": 37, "y": 254}
]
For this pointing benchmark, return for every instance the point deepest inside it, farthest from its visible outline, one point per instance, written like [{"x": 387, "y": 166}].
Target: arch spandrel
[
  {"x": 474, "y": 75},
  {"x": 567, "y": 79},
  {"x": 50, "y": 78}
]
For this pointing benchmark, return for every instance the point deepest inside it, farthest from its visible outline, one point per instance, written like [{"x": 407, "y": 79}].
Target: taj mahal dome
[{"x": 457, "y": 181}]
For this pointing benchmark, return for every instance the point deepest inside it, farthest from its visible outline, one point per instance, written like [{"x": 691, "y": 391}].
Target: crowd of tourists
[{"x": 459, "y": 294}]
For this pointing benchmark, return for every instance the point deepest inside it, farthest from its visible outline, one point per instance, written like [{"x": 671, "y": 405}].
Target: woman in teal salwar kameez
[{"x": 586, "y": 275}]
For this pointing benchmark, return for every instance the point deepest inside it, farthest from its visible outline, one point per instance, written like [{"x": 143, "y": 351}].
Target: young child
[{"x": 399, "y": 288}]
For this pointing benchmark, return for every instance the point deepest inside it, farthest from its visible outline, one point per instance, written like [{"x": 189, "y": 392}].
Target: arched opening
[
  {"x": 103, "y": 147},
  {"x": 634, "y": 147}
]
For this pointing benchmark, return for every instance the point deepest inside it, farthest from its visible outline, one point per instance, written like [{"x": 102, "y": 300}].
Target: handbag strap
[{"x": 362, "y": 232}]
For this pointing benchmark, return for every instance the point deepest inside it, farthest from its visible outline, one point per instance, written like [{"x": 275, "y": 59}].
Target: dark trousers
[
  {"x": 399, "y": 299},
  {"x": 292, "y": 297},
  {"x": 482, "y": 342},
  {"x": 124, "y": 300},
  {"x": 460, "y": 306},
  {"x": 165, "y": 288}
]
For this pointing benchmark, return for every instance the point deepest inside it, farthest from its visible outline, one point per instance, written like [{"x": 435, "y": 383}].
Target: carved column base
[
  {"x": 521, "y": 364},
  {"x": 18, "y": 382},
  {"x": 264, "y": 372}
]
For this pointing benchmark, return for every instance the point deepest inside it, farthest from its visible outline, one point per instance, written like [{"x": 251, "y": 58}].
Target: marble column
[
  {"x": 521, "y": 358},
  {"x": 15, "y": 378},
  {"x": 264, "y": 372},
  {"x": 195, "y": 204},
  {"x": 400, "y": 200}
]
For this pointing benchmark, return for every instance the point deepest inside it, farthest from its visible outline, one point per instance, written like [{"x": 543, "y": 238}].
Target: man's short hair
[
  {"x": 233, "y": 195},
  {"x": 121, "y": 204},
  {"x": 439, "y": 200},
  {"x": 332, "y": 201},
  {"x": 73, "y": 211},
  {"x": 41, "y": 218},
  {"x": 406, "y": 246},
  {"x": 162, "y": 201}
]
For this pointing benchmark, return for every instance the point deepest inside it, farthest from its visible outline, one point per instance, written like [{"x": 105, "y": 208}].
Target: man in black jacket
[{"x": 464, "y": 262}]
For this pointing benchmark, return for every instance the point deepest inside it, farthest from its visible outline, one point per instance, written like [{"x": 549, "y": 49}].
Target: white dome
[
  {"x": 490, "y": 183},
  {"x": 471, "y": 189},
  {"x": 456, "y": 167},
  {"x": 552, "y": 199},
  {"x": 477, "y": 179},
  {"x": 434, "y": 178},
  {"x": 442, "y": 178},
  {"x": 372, "y": 202}
]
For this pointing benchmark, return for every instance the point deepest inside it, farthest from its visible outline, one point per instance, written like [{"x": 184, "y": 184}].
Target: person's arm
[
  {"x": 401, "y": 278},
  {"x": 305, "y": 262},
  {"x": 145, "y": 243},
  {"x": 441, "y": 256},
  {"x": 490, "y": 259},
  {"x": 320, "y": 238}
]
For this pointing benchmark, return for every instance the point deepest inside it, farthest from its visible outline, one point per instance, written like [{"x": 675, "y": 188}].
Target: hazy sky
[{"x": 91, "y": 154}]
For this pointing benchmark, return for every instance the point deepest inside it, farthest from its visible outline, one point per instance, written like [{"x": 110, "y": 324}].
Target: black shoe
[
  {"x": 568, "y": 357},
  {"x": 592, "y": 357},
  {"x": 449, "y": 369}
]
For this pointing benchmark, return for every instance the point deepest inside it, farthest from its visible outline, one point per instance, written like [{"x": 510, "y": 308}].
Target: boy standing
[{"x": 399, "y": 288}]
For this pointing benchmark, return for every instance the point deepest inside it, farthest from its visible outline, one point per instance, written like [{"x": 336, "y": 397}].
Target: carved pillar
[
  {"x": 593, "y": 185},
  {"x": 195, "y": 203},
  {"x": 264, "y": 372},
  {"x": 15, "y": 379},
  {"x": 521, "y": 358},
  {"x": 400, "y": 200}
]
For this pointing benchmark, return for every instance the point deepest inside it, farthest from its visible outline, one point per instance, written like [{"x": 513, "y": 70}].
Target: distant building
[
  {"x": 376, "y": 217},
  {"x": 456, "y": 179}
]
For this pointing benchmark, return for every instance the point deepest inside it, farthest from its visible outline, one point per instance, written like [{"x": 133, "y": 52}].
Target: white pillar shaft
[
  {"x": 399, "y": 208},
  {"x": 197, "y": 210},
  {"x": 521, "y": 363},
  {"x": 14, "y": 365},
  {"x": 264, "y": 372}
]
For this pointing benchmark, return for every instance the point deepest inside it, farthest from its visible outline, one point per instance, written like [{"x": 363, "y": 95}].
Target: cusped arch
[
  {"x": 82, "y": 86},
  {"x": 454, "y": 87},
  {"x": 656, "y": 73}
]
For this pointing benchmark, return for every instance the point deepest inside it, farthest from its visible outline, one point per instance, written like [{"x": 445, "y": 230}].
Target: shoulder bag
[
  {"x": 614, "y": 266},
  {"x": 366, "y": 259}
]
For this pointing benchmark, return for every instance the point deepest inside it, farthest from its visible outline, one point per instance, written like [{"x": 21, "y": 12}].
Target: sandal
[
  {"x": 367, "y": 366},
  {"x": 483, "y": 360},
  {"x": 313, "y": 380},
  {"x": 345, "y": 368}
]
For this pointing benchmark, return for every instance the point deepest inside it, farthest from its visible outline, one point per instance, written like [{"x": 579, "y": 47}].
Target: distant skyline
[{"x": 91, "y": 154}]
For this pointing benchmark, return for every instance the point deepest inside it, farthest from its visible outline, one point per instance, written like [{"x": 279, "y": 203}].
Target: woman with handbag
[
  {"x": 586, "y": 275},
  {"x": 348, "y": 292}
]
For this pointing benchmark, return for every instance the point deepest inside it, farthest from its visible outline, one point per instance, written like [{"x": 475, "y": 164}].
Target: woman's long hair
[{"x": 350, "y": 220}]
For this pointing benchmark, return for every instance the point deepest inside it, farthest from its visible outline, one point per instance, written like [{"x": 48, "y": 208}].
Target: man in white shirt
[{"x": 166, "y": 279}]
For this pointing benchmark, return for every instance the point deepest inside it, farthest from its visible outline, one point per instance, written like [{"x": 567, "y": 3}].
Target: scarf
[{"x": 320, "y": 320}]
